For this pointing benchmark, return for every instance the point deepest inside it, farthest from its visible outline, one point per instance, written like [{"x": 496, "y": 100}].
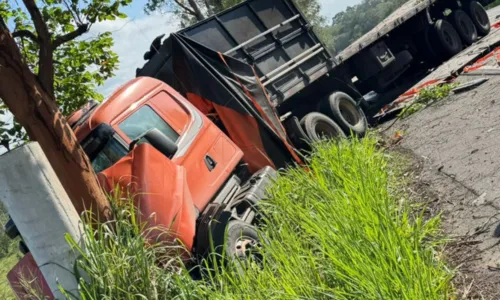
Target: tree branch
[
  {"x": 26, "y": 34},
  {"x": 41, "y": 27},
  {"x": 197, "y": 12},
  {"x": 61, "y": 39},
  {"x": 187, "y": 9},
  {"x": 46, "y": 65}
]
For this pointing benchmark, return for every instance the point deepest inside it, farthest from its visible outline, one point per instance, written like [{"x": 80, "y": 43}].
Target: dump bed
[{"x": 271, "y": 35}]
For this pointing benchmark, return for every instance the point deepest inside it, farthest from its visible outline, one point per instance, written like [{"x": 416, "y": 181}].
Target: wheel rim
[
  {"x": 324, "y": 130},
  {"x": 349, "y": 112},
  {"x": 245, "y": 247}
]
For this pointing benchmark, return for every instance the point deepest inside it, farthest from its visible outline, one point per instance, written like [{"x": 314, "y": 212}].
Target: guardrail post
[{"x": 42, "y": 212}]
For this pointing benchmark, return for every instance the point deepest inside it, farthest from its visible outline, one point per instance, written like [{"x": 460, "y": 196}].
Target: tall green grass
[{"x": 340, "y": 230}]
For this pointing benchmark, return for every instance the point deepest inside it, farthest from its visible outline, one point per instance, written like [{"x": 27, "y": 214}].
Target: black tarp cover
[{"x": 220, "y": 84}]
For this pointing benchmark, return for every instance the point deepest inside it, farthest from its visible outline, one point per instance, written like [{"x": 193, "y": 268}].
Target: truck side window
[
  {"x": 112, "y": 152},
  {"x": 143, "y": 120}
]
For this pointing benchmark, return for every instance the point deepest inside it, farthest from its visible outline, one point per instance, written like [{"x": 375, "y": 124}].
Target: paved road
[
  {"x": 494, "y": 12},
  {"x": 458, "y": 144}
]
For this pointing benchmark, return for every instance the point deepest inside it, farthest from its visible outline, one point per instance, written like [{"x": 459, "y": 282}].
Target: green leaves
[
  {"x": 81, "y": 64},
  {"x": 348, "y": 26},
  {"x": 426, "y": 97},
  {"x": 104, "y": 10}
]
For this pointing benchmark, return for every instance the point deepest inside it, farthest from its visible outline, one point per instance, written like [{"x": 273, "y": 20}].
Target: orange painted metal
[{"x": 174, "y": 190}]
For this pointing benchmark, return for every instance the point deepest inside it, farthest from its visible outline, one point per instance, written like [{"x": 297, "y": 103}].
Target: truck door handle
[{"x": 210, "y": 163}]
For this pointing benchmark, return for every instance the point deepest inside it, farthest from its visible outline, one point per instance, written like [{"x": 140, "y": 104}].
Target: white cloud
[
  {"x": 132, "y": 37},
  {"x": 330, "y": 8}
]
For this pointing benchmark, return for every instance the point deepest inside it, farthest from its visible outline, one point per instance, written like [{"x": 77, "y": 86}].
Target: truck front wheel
[
  {"x": 464, "y": 26},
  {"x": 479, "y": 17},
  {"x": 242, "y": 242}
]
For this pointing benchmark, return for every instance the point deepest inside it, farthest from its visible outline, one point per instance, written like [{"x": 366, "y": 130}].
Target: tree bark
[
  {"x": 37, "y": 111},
  {"x": 197, "y": 12},
  {"x": 46, "y": 54}
]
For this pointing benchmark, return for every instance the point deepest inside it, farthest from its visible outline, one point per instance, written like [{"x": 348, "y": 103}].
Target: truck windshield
[{"x": 104, "y": 147}]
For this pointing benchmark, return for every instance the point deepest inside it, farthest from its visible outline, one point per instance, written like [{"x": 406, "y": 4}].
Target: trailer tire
[
  {"x": 317, "y": 126},
  {"x": 242, "y": 240},
  {"x": 344, "y": 110},
  {"x": 447, "y": 38},
  {"x": 10, "y": 229},
  {"x": 479, "y": 17},
  {"x": 429, "y": 49},
  {"x": 23, "y": 248},
  {"x": 464, "y": 26}
]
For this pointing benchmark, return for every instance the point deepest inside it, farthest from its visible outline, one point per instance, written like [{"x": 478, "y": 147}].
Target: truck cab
[{"x": 151, "y": 145}]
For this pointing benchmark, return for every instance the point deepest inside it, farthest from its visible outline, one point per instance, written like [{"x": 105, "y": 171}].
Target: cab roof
[{"x": 126, "y": 98}]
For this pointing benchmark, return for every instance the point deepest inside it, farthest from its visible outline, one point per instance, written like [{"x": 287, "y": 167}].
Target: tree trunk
[
  {"x": 38, "y": 113},
  {"x": 197, "y": 12}
]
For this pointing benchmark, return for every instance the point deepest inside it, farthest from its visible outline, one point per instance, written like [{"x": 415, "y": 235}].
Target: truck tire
[
  {"x": 10, "y": 229},
  {"x": 319, "y": 127},
  {"x": 464, "y": 26},
  {"x": 479, "y": 17},
  {"x": 447, "y": 38},
  {"x": 242, "y": 241},
  {"x": 23, "y": 248},
  {"x": 429, "y": 51},
  {"x": 344, "y": 110}
]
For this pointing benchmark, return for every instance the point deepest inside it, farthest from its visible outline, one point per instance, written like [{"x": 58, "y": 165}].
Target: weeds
[
  {"x": 427, "y": 97},
  {"x": 118, "y": 262},
  {"x": 341, "y": 230}
]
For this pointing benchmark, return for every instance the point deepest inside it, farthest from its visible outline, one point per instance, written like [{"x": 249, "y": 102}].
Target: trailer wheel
[
  {"x": 344, "y": 110},
  {"x": 10, "y": 229},
  {"x": 319, "y": 127},
  {"x": 447, "y": 38},
  {"x": 23, "y": 248},
  {"x": 479, "y": 17},
  {"x": 464, "y": 26},
  {"x": 429, "y": 50},
  {"x": 242, "y": 242}
]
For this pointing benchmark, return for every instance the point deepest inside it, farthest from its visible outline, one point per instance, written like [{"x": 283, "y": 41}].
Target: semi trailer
[{"x": 301, "y": 76}]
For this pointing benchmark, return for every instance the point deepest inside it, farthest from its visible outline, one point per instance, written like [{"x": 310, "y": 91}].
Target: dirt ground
[
  {"x": 456, "y": 146},
  {"x": 455, "y": 151}
]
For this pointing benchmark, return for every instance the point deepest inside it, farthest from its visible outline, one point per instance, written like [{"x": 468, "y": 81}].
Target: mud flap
[
  {"x": 296, "y": 134},
  {"x": 211, "y": 230}
]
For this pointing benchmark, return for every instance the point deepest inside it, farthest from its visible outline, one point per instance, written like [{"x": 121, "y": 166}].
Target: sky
[{"x": 134, "y": 34}]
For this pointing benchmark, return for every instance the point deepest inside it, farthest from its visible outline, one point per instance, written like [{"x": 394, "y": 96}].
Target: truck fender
[{"x": 210, "y": 230}]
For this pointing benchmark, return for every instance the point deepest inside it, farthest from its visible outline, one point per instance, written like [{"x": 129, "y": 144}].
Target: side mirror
[{"x": 158, "y": 140}]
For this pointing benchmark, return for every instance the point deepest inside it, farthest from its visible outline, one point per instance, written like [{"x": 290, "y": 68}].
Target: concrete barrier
[{"x": 43, "y": 213}]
